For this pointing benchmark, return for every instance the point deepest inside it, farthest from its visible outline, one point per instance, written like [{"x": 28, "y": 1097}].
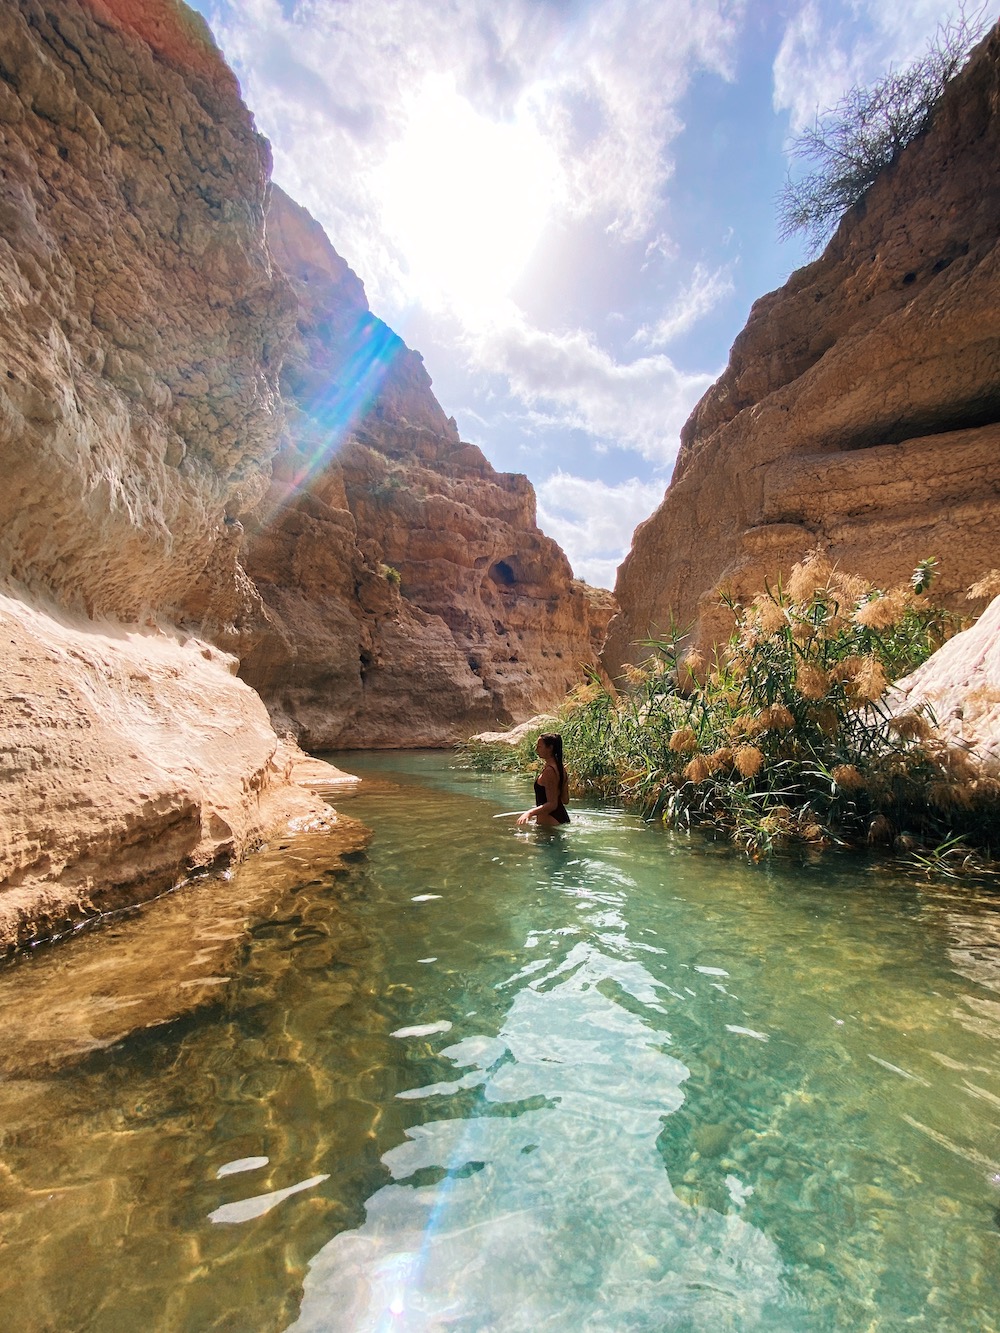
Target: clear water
[{"x": 597, "y": 1078}]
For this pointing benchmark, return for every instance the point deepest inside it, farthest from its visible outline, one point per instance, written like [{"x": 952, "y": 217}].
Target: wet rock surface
[{"x": 150, "y": 966}]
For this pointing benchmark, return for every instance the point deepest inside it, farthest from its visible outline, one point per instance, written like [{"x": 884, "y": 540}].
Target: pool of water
[{"x": 602, "y": 1078}]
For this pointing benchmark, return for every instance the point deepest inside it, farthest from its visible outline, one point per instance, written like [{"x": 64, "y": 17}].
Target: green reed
[{"x": 785, "y": 736}]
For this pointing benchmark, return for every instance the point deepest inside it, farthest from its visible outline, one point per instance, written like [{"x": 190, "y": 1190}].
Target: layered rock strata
[
  {"x": 148, "y": 336},
  {"x": 860, "y": 410},
  {"x": 411, "y": 597},
  {"x": 141, "y": 324}
]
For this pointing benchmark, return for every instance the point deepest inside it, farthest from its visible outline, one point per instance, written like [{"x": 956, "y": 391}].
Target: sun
[{"x": 465, "y": 200}]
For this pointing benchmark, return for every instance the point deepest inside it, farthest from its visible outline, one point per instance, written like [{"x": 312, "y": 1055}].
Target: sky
[{"x": 566, "y": 206}]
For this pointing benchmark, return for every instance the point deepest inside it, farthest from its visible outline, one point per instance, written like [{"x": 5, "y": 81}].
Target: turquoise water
[{"x": 601, "y": 1078}]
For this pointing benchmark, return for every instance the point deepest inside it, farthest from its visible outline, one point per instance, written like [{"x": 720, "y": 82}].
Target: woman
[{"x": 551, "y": 785}]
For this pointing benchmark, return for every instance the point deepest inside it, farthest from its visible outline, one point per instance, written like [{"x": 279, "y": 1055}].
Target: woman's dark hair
[{"x": 554, "y": 741}]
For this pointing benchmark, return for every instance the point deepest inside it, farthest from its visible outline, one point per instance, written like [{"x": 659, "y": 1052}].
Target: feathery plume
[
  {"x": 811, "y": 681},
  {"x": 987, "y": 586},
  {"x": 808, "y": 577},
  {"x": 827, "y": 720},
  {"x": 881, "y": 612},
  {"x": 910, "y": 726},
  {"x": 748, "y": 760},
  {"x": 776, "y": 718},
  {"x": 721, "y": 758},
  {"x": 684, "y": 741},
  {"x": 847, "y": 777},
  {"x": 698, "y": 769},
  {"x": 769, "y": 617}
]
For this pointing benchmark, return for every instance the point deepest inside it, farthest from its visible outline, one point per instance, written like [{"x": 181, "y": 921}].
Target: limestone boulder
[
  {"x": 128, "y": 759},
  {"x": 959, "y": 687}
]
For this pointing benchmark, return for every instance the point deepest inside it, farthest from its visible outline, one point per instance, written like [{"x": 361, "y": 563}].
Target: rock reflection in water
[{"x": 485, "y": 1079}]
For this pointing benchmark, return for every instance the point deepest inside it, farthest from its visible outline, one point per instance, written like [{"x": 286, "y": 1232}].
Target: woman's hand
[{"x": 525, "y": 818}]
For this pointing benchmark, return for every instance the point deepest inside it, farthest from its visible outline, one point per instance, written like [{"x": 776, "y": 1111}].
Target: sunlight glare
[{"x": 465, "y": 200}]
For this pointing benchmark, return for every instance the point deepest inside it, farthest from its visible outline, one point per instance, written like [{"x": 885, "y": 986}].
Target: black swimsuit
[{"x": 560, "y": 814}]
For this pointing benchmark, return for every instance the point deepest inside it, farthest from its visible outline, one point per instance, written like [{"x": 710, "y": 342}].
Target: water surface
[{"x": 599, "y": 1078}]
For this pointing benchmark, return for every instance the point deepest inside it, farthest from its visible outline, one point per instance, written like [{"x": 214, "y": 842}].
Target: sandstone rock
[
  {"x": 960, "y": 685},
  {"x": 127, "y": 760},
  {"x": 142, "y": 328},
  {"x": 410, "y": 595},
  {"x": 143, "y": 320},
  {"x": 148, "y": 971},
  {"x": 860, "y": 408}
]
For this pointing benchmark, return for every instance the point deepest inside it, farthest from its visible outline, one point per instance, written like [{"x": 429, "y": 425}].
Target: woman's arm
[{"x": 550, "y": 781}]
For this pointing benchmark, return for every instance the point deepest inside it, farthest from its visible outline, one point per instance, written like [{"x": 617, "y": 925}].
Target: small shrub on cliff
[
  {"x": 391, "y": 575},
  {"x": 786, "y": 738},
  {"x": 867, "y": 130}
]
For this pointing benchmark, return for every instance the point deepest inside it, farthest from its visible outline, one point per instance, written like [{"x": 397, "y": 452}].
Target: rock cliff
[
  {"x": 149, "y": 333},
  {"x": 860, "y": 410},
  {"x": 410, "y": 596},
  {"x": 141, "y": 323}
]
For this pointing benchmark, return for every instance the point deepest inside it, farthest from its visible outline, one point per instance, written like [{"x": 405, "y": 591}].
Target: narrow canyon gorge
[{"x": 228, "y": 488}]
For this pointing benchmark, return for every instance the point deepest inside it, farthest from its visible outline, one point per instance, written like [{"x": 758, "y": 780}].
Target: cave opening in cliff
[{"x": 502, "y": 574}]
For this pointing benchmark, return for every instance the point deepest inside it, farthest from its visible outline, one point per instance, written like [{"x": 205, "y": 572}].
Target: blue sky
[{"x": 567, "y": 206}]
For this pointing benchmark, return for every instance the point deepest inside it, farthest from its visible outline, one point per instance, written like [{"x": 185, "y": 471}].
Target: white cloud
[
  {"x": 825, "y": 50},
  {"x": 593, "y": 86},
  {"x": 638, "y": 404},
  {"x": 333, "y": 86},
  {"x": 593, "y": 522},
  {"x": 702, "y": 294}
]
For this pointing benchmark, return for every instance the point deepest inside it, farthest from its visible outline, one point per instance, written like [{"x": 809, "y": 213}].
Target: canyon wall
[
  {"x": 149, "y": 334},
  {"x": 860, "y": 410},
  {"x": 141, "y": 321},
  {"x": 410, "y": 596}
]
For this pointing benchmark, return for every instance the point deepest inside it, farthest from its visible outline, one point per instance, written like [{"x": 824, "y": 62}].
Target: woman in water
[{"x": 551, "y": 785}]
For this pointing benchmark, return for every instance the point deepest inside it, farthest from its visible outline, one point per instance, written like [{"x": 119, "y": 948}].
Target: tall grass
[{"x": 785, "y": 736}]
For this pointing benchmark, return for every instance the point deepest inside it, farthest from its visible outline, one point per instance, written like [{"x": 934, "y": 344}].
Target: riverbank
[
  {"x": 795, "y": 732},
  {"x": 148, "y": 966}
]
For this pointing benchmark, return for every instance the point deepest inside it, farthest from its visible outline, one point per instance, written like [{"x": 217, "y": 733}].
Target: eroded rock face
[
  {"x": 143, "y": 321},
  {"x": 411, "y": 597},
  {"x": 959, "y": 686},
  {"x": 860, "y": 408},
  {"x": 142, "y": 327},
  {"x": 127, "y": 759}
]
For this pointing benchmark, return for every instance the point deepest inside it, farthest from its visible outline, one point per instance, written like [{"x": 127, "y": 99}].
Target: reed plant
[{"x": 785, "y": 736}]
